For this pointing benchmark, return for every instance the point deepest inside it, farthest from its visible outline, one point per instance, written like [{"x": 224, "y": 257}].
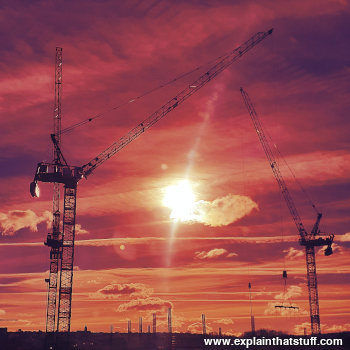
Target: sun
[{"x": 181, "y": 200}]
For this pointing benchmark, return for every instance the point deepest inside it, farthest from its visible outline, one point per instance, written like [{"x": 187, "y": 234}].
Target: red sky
[{"x": 113, "y": 51}]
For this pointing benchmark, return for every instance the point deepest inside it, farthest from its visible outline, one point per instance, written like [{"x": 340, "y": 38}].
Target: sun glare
[{"x": 181, "y": 200}]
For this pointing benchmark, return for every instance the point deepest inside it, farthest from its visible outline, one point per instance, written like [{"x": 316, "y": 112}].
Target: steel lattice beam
[
  {"x": 66, "y": 276},
  {"x": 312, "y": 287},
  {"x": 55, "y": 250}
]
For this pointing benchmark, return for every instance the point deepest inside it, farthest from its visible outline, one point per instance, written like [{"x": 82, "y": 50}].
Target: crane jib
[{"x": 226, "y": 61}]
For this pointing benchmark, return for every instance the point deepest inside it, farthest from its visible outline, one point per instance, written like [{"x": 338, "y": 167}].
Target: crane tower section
[{"x": 53, "y": 238}]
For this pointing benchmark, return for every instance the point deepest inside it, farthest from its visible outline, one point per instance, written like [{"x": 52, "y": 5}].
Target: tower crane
[
  {"x": 309, "y": 240},
  {"x": 59, "y": 172}
]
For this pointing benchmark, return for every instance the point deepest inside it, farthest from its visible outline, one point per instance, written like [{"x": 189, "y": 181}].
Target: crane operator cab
[
  {"x": 46, "y": 172},
  {"x": 319, "y": 242},
  {"x": 325, "y": 242},
  {"x": 329, "y": 251}
]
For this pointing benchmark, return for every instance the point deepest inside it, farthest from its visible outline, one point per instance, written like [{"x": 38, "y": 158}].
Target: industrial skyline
[{"x": 132, "y": 259}]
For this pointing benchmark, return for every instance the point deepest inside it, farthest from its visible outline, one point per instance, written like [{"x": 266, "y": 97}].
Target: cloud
[
  {"x": 92, "y": 282},
  {"x": 2, "y": 312},
  {"x": 22, "y": 314},
  {"x": 344, "y": 238},
  {"x": 106, "y": 242},
  {"x": 26, "y": 323},
  {"x": 15, "y": 220},
  {"x": 142, "y": 300},
  {"x": 292, "y": 291},
  {"x": 225, "y": 321},
  {"x": 198, "y": 328},
  {"x": 79, "y": 230},
  {"x": 299, "y": 328},
  {"x": 116, "y": 290},
  {"x": 148, "y": 304},
  {"x": 224, "y": 211},
  {"x": 214, "y": 253},
  {"x": 230, "y": 255},
  {"x": 272, "y": 310},
  {"x": 162, "y": 320},
  {"x": 293, "y": 253},
  {"x": 232, "y": 333},
  {"x": 336, "y": 328}
]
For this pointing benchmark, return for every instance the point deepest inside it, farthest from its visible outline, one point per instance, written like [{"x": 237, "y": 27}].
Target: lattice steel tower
[{"x": 54, "y": 238}]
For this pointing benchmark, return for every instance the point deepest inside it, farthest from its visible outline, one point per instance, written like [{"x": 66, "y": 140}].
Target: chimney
[
  {"x": 154, "y": 323},
  {"x": 129, "y": 326},
  {"x": 140, "y": 324},
  {"x": 170, "y": 330},
  {"x": 203, "y": 324}
]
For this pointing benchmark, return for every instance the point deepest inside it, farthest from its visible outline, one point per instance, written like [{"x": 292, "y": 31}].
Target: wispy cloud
[
  {"x": 148, "y": 304},
  {"x": 344, "y": 238},
  {"x": 116, "y": 290},
  {"x": 293, "y": 253},
  {"x": 105, "y": 242},
  {"x": 334, "y": 328},
  {"x": 214, "y": 253},
  {"x": 225, "y": 210},
  {"x": 292, "y": 291},
  {"x": 197, "y": 327},
  {"x": 225, "y": 321},
  {"x": 16, "y": 220},
  {"x": 79, "y": 230}
]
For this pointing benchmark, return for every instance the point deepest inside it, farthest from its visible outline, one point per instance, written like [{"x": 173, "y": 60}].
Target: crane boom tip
[{"x": 270, "y": 31}]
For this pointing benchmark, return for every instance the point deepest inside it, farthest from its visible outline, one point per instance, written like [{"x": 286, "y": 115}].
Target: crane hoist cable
[
  {"x": 139, "y": 97},
  {"x": 279, "y": 155},
  {"x": 283, "y": 305},
  {"x": 173, "y": 103},
  {"x": 131, "y": 100},
  {"x": 313, "y": 205}
]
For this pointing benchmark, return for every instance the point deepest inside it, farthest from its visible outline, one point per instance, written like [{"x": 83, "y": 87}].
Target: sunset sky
[{"x": 131, "y": 257}]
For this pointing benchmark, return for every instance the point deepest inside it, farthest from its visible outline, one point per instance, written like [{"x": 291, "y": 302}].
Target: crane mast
[
  {"x": 59, "y": 172},
  {"x": 67, "y": 259},
  {"x": 54, "y": 237},
  {"x": 306, "y": 239}
]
